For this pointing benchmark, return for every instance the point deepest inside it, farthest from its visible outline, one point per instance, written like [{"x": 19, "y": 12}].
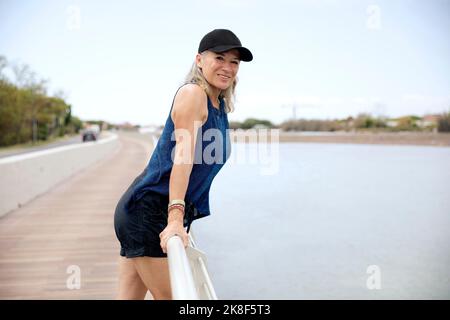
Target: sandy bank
[{"x": 388, "y": 138}]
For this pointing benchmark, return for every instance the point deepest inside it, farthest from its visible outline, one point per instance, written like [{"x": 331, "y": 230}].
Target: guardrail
[
  {"x": 189, "y": 275},
  {"x": 25, "y": 176}
]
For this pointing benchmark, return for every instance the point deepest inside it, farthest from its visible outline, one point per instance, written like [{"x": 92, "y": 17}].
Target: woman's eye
[{"x": 221, "y": 58}]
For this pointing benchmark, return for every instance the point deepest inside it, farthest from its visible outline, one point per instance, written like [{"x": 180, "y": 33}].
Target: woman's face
[{"x": 219, "y": 69}]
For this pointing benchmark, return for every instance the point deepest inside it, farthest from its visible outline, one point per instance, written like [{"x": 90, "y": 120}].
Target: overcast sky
[{"x": 124, "y": 60}]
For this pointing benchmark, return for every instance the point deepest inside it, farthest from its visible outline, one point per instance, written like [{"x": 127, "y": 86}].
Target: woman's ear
[{"x": 198, "y": 60}]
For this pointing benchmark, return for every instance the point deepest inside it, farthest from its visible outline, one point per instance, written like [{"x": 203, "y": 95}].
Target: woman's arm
[{"x": 188, "y": 114}]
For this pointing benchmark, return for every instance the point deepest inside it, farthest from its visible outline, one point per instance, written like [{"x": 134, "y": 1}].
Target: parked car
[{"x": 91, "y": 133}]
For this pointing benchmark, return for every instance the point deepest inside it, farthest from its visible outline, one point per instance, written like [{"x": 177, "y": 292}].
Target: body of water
[{"x": 334, "y": 221}]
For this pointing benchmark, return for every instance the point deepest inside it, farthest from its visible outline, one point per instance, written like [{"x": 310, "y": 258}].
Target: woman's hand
[{"x": 174, "y": 227}]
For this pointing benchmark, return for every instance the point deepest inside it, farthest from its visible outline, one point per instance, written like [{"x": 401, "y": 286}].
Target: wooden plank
[{"x": 70, "y": 225}]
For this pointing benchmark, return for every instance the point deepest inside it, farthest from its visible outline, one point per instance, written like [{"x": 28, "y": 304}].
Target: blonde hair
[{"x": 196, "y": 76}]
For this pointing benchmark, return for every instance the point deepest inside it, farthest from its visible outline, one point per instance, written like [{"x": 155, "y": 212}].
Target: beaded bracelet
[
  {"x": 176, "y": 206},
  {"x": 176, "y": 201}
]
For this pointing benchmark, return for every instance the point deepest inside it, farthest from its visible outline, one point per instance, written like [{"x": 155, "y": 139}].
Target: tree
[
  {"x": 251, "y": 122},
  {"x": 27, "y": 112}
]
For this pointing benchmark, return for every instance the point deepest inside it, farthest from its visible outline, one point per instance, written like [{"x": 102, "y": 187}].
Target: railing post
[{"x": 181, "y": 279}]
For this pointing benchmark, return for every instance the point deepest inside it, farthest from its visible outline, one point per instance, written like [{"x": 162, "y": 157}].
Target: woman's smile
[{"x": 224, "y": 77}]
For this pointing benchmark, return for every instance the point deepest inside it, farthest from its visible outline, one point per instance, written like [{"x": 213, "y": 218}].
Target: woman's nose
[{"x": 228, "y": 67}]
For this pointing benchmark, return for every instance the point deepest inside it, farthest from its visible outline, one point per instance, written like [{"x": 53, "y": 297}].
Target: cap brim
[{"x": 245, "y": 54}]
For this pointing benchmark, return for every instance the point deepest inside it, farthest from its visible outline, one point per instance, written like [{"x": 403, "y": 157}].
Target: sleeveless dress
[{"x": 141, "y": 213}]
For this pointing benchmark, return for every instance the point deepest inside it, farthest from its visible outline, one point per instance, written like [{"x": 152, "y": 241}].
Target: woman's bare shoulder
[
  {"x": 191, "y": 91},
  {"x": 190, "y": 99}
]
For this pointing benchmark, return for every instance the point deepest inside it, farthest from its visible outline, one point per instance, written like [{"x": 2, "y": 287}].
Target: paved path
[{"x": 71, "y": 225}]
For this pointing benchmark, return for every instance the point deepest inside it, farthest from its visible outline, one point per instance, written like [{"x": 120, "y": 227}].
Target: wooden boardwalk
[{"x": 71, "y": 225}]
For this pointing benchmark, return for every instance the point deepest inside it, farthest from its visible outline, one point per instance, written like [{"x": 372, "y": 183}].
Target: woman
[{"x": 173, "y": 190}]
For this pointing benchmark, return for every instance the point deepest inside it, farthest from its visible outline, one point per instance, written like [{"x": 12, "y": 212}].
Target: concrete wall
[{"x": 25, "y": 176}]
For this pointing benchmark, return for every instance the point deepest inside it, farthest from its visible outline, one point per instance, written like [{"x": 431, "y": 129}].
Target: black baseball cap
[{"x": 220, "y": 40}]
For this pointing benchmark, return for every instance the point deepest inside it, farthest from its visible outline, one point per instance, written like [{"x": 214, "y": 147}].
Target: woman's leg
[
  {"x": 154, "y": 273},
  {"x": 131, "y": 286}
]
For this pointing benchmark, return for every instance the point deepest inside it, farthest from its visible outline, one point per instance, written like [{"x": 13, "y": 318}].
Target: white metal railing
[
  {"x": 181, "y": 279},
  {"x": 189, "y": 277}
]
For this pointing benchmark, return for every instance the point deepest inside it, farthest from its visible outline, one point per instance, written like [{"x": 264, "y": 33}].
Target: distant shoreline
[{"x": 386, "y": 138}]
